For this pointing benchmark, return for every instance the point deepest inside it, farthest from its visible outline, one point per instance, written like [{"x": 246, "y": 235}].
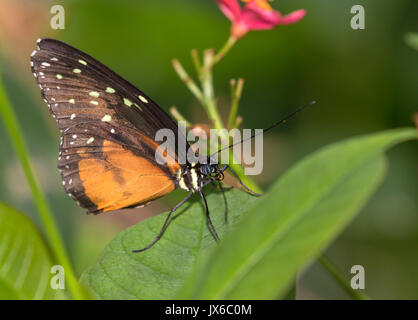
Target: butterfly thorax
[{"x": 195, "y": 175}]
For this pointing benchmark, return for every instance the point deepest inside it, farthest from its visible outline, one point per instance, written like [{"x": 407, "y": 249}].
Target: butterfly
[{"x": 107, "y": 155}]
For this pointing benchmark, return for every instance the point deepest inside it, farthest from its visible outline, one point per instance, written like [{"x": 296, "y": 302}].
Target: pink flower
[{"x": 256, "y": 15}]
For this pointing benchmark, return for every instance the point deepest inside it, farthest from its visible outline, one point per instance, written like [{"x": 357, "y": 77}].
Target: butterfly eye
[{"x": 206, "y": 169}]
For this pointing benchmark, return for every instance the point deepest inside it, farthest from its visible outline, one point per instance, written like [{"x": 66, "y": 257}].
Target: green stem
[
  {"x": 212, "y": 109},
  {"x": 209, "y": 101},
  {"x": 224, "y": 50},
  {"x": 178, "y": 116},
  {"x": 337, "y": 275},
  {"x": 238, "y": 122},
  {"x": 14, "y": 131},
  {"x": 236, "y": 92},
  {"x": 196, "y": 61},
  {"x": 206, "y": 97},
  {"x": 183, "y": 75}
]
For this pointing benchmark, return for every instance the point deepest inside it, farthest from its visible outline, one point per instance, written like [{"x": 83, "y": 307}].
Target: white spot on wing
[
  {"x": 90, "y": 140},
  {"x": 110, "y": 90},
  {"x": 127, "y": 102},
  {"x": 136, "y": 105},
  {"x": 82, "y": 62},
  {"x": 72, "y": 116},
  {"x": 143, "y": 99},
  {"x": 94, "y": 94},
  {"x": 94, "y": 102},
  {"x": 76, "y": 70},
  {"x": 107, "y": 118}
]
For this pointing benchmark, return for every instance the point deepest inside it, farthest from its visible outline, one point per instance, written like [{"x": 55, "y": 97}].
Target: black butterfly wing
[{"x": 107, "y": 151}]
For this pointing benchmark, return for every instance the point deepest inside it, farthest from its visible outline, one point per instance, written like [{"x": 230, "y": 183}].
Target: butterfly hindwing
[{"x": 107, "y": 151}]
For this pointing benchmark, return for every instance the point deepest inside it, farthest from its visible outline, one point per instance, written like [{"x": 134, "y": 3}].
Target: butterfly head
[
  {"x": 210, "y": 169},
  {"x": 197, "y": 174}
]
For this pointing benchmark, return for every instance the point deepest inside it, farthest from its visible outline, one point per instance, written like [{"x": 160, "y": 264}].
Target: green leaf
[
  {"x": 161, "y": 271},
  {"x": 25, "y": 262},
  {"x": 280, "y": 232},
  {"x": 290, "y": 225}
]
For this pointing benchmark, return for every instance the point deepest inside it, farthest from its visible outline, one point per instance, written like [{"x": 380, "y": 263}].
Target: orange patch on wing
[
  {"x": 162, "y": 154},
  {"x": 83, "y": 152},
  {"x": 122, "y": 179}
]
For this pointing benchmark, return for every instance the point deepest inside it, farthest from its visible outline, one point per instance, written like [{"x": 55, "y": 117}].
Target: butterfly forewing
[{"x": 107, "y": 151}]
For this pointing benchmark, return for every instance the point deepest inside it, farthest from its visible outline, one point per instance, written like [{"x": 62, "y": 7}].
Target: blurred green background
[{"x": 363, "y": 80}]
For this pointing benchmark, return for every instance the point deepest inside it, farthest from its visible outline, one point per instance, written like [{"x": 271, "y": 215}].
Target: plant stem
[
  {"x": 196, "y": 61},
  {"x": 238, "y": 122},
  {"x": 178, "y": 116},
  {"x": 206, "y": 96},
  {"x": 236, "y": 91},
  {"x": 187, "y": 80},
  {"x": 209, "y": 62},
  {"x": 337, "y": 275},
  {"x": 211, "y": 107},
  {"x": 224, "y": 50},
  {"x": 15, "y": 134}
]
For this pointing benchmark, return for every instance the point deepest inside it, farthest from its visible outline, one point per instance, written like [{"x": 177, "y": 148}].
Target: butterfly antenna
[{"x": 284, "y": 120}]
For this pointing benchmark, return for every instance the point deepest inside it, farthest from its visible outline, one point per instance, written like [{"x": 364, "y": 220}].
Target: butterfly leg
[
  {"x": 219, "y": 184},
  {"x": 208, "y": 216},
  {"x": 240, "y": 182},
  {"x": 165, "y": 224},
  {"x": 225, "y": 202}
]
